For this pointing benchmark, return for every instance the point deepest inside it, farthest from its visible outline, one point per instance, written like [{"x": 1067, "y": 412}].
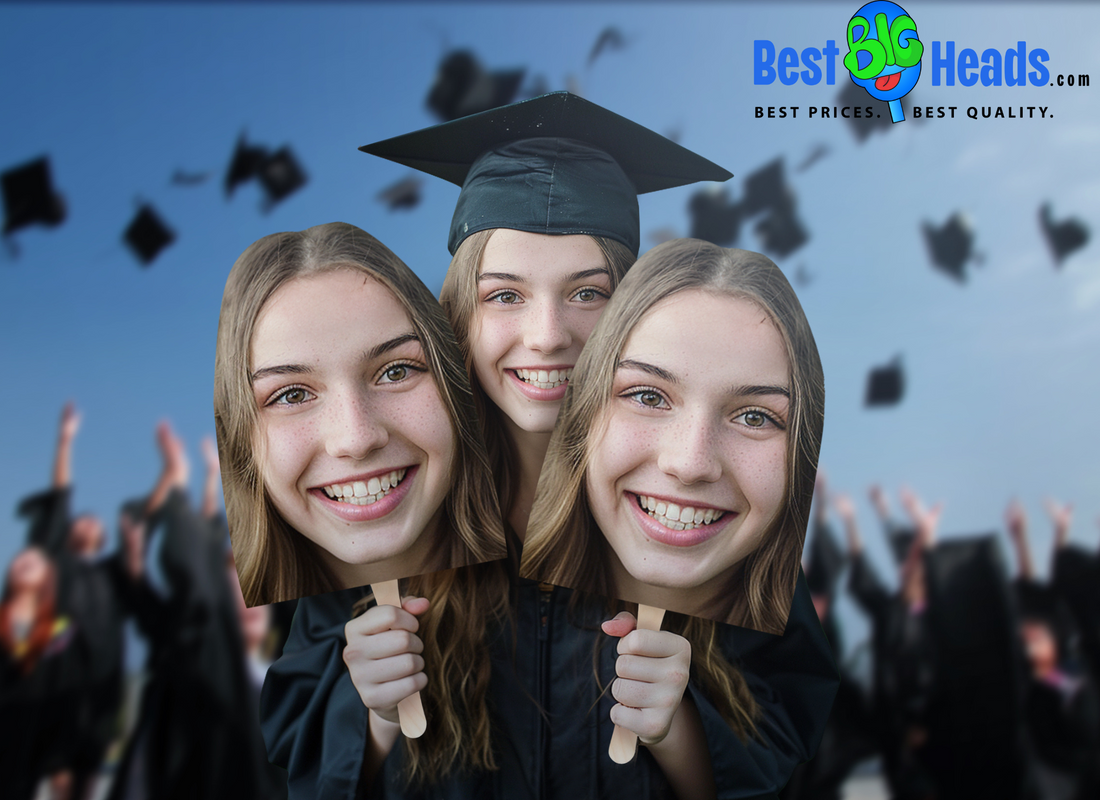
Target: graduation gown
[
  {"x": 551, "y": 724},
  {"x": 197, "y": 734}
]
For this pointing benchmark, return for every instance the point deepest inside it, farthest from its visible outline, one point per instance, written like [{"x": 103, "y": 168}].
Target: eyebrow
[
  {"x": 649, "y": 369},
  {"x": 573, "y": 276},
  {"x": 752, "y": 391},
  {"x": 302, "y": 369},
  {"x": 735, "y": 391}
]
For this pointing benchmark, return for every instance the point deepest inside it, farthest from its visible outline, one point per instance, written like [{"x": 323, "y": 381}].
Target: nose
[
  {"x": 547, "y": 329},
  {"x": 688, "y": 451},
  {"x": 353, "y": 429}
]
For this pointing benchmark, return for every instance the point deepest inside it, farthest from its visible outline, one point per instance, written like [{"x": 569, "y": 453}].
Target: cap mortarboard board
[
  {"x": 147, "y": 235},
  {"x": 405, "y": 193},
  {"x": 714, "y": 218},
  {"x": 29, "y": 196},
  {"x": 462, "y": 87},
  {"x": 554, "y": 164},
  {"x": 865, "y": 124},
  {"x": 1063, "y": 237},
  {"x": 826, "y": 561},
  {"x": 766, "y": 188},
  {"x": 610, "y": 38},
  {"x": 781, "y": 232},
  {"x": 244, "y": 165},
  {"x": 951, "y": 245},
  {"x": 885, "y": 384},
  {"x": 281, "y": 176}
]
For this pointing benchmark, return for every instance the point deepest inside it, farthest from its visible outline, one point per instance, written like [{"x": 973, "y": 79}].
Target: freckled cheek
[
  {"x": 421, "y": 418},
  {"x": 493, "y": 338},
  {"x": 624, "y": 446},
  {"x": 291, "y": 445},
  {"x": 760, "y": 471},
  {"x": 581, "y": 323}
]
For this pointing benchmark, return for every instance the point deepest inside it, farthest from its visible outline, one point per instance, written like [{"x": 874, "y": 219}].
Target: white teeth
[
  {"x": 544, "y": 379},
  {"x": 365, "y": 493},
  {"x": 676, "y": 517}
]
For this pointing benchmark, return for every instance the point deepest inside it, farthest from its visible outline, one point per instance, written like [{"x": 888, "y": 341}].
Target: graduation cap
[
  {"x": 30, "y": 198},
  {"x": 554, "y": 164},
  {"x": 184, "y": 178},
  {"x": 1063, "y": 237},
  {"x": 244, "y": 165},
  {"x": 781, "y": 232},
  {"x": 462, "y": 87},
  {"x": 826, "y": 561},
  {"x": 714, "y": 217},
  {"x": 951, "y": 246},
  {"x": 819, "y": 152},
  {"x": 147, "y": 235},
  {"x": 281, "y": 175},
  {"x": 766, "y": 189},
  {"x": 885, "y": 384},
  {"x": 403, "y": 194},
  {"x": 863, "y": 126},
  {"x": 611, "y": 38}
]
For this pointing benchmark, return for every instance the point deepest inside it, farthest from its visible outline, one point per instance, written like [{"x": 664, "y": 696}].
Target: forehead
[
  {"x": 309, "y": 315},
  {"x": 539, "y": 256},
  {"x": 696, "y": 334}
]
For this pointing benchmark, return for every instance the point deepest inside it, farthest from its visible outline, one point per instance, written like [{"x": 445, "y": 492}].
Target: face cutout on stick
[{"x": 681, "y": 470}]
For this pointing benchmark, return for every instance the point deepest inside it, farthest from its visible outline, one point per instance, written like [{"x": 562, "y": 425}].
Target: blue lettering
[
  {"x": 946, "y": 63},
  {"x": 1015, "y": 65},
  {"x": 968, "y": 60},
  {"x": 991, "y": 72},
  {"x": 788, "y": 60},
  {"x": 812, "y": 75},
  {"x": 1040, "y": 75},
  {"x": 763, "y": 53},
  {"x": 831, "y": 51}
]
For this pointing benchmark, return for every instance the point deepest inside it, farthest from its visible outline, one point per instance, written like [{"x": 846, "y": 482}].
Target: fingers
[
  {"x": 620, "y": 625},
  {"x": 383, "y": 655}
]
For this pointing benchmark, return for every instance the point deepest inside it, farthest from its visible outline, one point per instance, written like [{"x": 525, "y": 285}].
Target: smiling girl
[
  {"x": 682, "y": 468},
  {"x": 344, "y": 421}
]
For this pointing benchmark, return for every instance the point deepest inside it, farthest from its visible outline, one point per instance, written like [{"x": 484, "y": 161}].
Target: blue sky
[{"x": 1002, "y": 373}]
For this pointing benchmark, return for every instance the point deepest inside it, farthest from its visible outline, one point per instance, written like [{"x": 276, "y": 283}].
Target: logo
[{"x": 884, "y": 53}]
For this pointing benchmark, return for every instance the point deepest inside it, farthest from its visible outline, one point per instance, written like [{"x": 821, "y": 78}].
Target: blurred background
[{"x": 922, "y": 245}]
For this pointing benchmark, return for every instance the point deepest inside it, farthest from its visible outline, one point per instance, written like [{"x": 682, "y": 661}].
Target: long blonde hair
[
  {"x": 564, "y": 545},
  {"x": 459, "y": 298},
  {"x": 274, "y": 561}
]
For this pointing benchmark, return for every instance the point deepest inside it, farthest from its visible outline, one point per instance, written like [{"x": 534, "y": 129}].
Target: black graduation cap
[
  {"x": 819, "y": 152},
  {"x": 951, "y": 246},
  {"x": 714, "y": 217},
  {"x": 854, "y": 96},
  {"x": 463, "y": 87},
  {"x": 885, "y": 384},
  {"x": 29, "y": 196},
  {"x": 900, "y": 538},
  {"x": 781, "y": 232},
  {"x": 1063, "y": 237},
  {"x": 766, "y": 189},
  {"x": 826, "y": 560},
  {"x": 405, "y": 193},
  {"x": 147, "y": 235},
  {"x": 244, "y": 165},
  {"x": 281, "y": 175},
  {"x": 554, "y": 164},
  {"x": 610, "y": 38}
]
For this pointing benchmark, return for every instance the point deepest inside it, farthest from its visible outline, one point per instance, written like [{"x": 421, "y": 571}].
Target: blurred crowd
[{"x": 981, "y": 684}]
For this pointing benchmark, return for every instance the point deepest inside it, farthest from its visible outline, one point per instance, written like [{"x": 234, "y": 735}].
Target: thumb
[{"x": 620, "y": 625}]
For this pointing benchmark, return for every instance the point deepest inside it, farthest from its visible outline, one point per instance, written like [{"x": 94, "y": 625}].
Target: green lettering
[
  {"x": 908, "y": 54},
  {"x": 877, "y": 51},
  {"x": 884, "y": 38}
]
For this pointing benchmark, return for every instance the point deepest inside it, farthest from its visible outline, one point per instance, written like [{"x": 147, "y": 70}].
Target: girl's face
[
  {"x": 28, "y": 571},
  {"x": 539, "y": 297},
  {"x": 687, "y": 464},
  {"x": 358, "y": 447}
]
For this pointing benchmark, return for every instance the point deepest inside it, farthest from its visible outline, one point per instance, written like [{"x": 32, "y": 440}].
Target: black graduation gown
[
  {"x": 197, "y": 734},
  {"x": 97, "y": 596},
  {"x": 316, "y": 726}
]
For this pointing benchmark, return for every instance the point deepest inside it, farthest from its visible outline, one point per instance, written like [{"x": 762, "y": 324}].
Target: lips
[
  {"x": 372, "y": 505},
  {"x": 885, "y": 83},
  {"x": 527, "y": 381},
  {"x": 691, "y": 533}
]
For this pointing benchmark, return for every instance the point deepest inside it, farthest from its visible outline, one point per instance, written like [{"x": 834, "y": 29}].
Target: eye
[
  {"x": 758, "y": 419},
  {"x": 646, "y": 397},
  {"x": 291, "y": 396},
  {"x": 504, "y": 297},
  {"x": 397, "y": 372},
  {"x": 590, "y": 294}
]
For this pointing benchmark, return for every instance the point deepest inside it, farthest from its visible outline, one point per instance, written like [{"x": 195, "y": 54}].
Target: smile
[
  {"x": 365, "y": 493},
  {"x": 544, "y": 379},
  {"x": 676, "y": 517}
]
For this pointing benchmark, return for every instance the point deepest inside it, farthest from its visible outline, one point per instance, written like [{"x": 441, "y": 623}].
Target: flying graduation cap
[
  {"x": 555, "y": 164},
  {"x": 767, "y": 190},
  {"x": 244, "y": 165},
  {"x": 714, "y": 217},
  {"x": 854, "y": 96},
  {"x": 30, "y": 197},
  {"x": 951, "y": 246},
  {"x": 462, "y": 87},
  {"x": 404, "y": 194},
  {"x": 885, "y": 384},
  {"x": 610, "y": 38},
  {"x": 281, "y": 176},
  {"x": 1064, "y": 237},
  {"x": 147, "y": 235}
]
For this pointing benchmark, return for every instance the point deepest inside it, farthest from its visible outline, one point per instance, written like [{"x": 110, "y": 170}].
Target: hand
[
  {"x": 653, "y": 669},
  {"x": 70, "y": 421},
  {"x": 878, "y": 500},
  {"x": 926, "y": 521},
  {"x": 1062, "y": 517},
  {"x": 210, "y": 456},
  {"x": 845, "y": 509},
  {"x": 1016, "y": 519},
  {"x": 383, "y": 655}
]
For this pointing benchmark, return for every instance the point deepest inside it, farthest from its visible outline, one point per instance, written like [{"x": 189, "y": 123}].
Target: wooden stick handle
[
  {"x": 410, "y": 711},
  {"x": 624, "y": 743}
]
